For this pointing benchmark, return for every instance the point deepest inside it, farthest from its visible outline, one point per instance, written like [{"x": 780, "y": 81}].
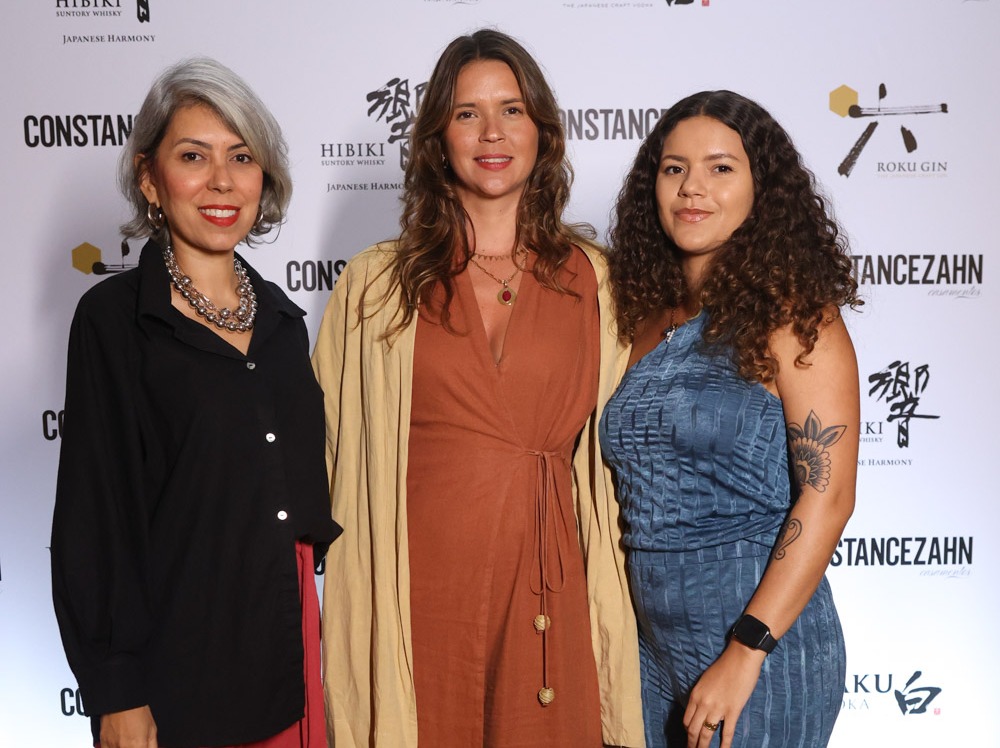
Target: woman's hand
[
  {"x": 133, "y": 728},
  {"x": 721, "y": 693}
]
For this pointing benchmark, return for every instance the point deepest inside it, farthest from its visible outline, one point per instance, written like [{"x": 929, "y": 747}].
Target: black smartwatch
[{"x": 754, "y": 633}]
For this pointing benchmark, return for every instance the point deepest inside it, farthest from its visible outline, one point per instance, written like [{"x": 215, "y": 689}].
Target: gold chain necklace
[{"x": 513, "y": 256}]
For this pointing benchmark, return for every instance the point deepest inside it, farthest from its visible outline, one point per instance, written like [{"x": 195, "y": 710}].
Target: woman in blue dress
[{"x": 734, "y": 432}]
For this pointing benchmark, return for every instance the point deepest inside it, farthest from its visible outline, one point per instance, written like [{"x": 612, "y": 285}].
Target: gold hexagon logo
[
  {"x": 842, "y": 99},
  {"x": 85, "y": 257}
]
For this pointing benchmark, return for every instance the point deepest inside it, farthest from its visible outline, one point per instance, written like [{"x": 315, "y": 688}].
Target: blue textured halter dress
[{"x": 701, "y": 464}]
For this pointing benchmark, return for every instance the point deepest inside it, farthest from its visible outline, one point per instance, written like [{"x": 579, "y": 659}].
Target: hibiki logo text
[
  {"x": 113, "y": 8},
  {"x": 901, "y": 385},
  {"x": 396, "y": 105}
]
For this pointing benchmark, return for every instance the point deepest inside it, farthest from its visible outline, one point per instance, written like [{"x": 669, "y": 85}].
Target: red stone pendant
[{"x": 506, "y": 295}]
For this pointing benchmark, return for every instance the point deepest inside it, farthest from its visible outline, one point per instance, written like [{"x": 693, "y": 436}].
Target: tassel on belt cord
[{"x": 542, "y": 579}]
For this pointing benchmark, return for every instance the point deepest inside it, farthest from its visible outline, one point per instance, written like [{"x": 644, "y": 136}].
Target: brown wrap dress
[{"x": 493, "y": 539}]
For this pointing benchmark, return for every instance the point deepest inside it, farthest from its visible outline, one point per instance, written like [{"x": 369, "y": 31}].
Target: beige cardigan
[{"x": 366, "y": 616}]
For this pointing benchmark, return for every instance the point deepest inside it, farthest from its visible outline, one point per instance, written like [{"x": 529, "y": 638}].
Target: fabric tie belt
[{"x": 544, "y": 579}]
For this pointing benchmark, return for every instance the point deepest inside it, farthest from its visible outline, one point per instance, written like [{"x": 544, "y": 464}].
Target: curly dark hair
[
  {"x": 787, "y": 263},
  {"x": 434, "y": 223}
]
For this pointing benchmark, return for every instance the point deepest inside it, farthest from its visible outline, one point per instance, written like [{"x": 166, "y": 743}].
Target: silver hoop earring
[
  {"x": 258, "y": 225},
  {"x": 154, "y": 216}
]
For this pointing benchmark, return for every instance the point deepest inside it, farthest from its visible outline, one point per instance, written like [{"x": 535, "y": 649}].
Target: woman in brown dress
[{"x": 484, "y": 601}]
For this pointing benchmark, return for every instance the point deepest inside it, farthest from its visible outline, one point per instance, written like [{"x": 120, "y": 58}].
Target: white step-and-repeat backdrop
[{"x": 894, "y": 105}]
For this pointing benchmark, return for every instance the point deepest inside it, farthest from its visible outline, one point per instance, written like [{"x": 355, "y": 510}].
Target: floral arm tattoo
[{"x": 807, "y": 447}]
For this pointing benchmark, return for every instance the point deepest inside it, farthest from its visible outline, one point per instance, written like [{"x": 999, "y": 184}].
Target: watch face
[{"x": 753, "y": 633}]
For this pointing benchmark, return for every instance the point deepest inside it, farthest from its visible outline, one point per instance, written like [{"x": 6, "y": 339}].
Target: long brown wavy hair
[
  {"x": 787, "y": 263},
  {"x": 435, "y": 245}
]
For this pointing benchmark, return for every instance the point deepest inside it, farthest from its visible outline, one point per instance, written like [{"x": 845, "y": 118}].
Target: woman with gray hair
[{"x": 192, "y": 502}]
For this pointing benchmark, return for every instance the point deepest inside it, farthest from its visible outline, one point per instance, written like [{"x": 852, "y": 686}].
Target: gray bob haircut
[{"x": 204, "y": 81}]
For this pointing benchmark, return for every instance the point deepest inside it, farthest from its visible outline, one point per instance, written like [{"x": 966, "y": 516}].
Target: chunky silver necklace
[{"x": 239, "y": 320}]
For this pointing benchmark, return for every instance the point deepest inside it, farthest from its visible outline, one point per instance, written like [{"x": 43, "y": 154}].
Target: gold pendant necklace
[{"x": 506, "y": 295}]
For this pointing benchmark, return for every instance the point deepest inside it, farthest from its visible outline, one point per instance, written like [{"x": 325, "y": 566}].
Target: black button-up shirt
[{"x": 188, "y": 470}]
